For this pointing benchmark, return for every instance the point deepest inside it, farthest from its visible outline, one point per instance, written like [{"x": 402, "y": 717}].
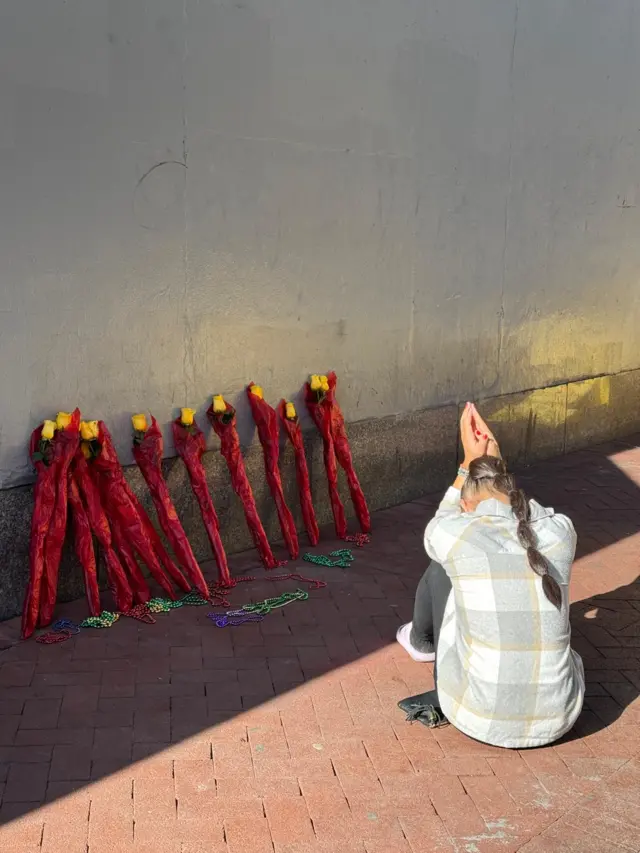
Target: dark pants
[{"x": 428, "y": 613}]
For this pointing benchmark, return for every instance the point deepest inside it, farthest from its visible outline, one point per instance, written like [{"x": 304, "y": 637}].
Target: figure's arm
[{"x": 449, "y": 522}]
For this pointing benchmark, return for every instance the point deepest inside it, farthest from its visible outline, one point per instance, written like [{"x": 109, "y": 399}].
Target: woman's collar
[{"x": 492, "y": 506}]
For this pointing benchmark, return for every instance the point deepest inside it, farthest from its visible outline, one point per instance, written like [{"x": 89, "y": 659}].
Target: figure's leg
[
  {"x": 418, "y": 637},
  {"x": 439, "y": 586},
  {"x": 431, "y": 600}
]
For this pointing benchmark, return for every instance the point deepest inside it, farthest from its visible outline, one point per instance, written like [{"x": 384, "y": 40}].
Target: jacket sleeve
[
  {"x": 562, "y": 548},
  {"x": 445, "y": 527}
]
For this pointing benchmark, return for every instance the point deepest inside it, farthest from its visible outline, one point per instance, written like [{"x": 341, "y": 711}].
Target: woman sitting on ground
[{"x": 493, "y": 609}]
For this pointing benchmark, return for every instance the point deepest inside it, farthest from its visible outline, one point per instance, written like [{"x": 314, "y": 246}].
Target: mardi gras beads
[
  {"x": 160, "y": 605},
  {"x": 141, "y": 613},
  {"x": 105, "y": 620},
  {"x": 358, "y": 539},
  {"x": 224, "y": 620},
  {"x": 342, "y": 558},
  {"x": 256, "y": 612},
  {"x": 269, "y": 604},
  {"x": 60, "y": 631}
]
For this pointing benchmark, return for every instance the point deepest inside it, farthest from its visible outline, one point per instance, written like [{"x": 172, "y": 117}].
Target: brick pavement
[{"x": 183, "y": 738}]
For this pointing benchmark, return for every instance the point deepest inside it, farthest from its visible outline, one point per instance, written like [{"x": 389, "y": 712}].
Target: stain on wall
[{"x": 437, "y": 200}]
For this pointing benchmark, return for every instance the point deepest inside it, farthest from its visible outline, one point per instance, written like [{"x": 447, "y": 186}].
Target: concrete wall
[{"x": 436, "y": 198}]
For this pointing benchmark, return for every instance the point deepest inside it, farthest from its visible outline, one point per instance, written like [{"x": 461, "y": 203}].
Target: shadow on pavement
[{"x": 75, "y": 713}]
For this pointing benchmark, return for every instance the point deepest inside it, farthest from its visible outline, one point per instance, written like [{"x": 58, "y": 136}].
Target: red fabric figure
[
  {"x": 190, "y": 446},
  {"x": 223, "y": 420},
  {"x": 158, "y": 545},
  {"x": 44, "y": 498},
  {"x": 65, "y": 443},
  {"x": 293, "y": 431},
  {"x": 266, "y": 422},
  {"x": 148, "y": 451},
  {"x": 315, "y": 402},
  {"x": 320, "y": 397},
  {"x": 343, "y": 455},
  {"x": 83, "y": 541},
  {"x": 116, "y": 576},
  {"x": 127, "y": 514}
]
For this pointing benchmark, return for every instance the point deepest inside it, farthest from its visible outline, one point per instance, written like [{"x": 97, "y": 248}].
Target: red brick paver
[{"x": 284, "y": 737}]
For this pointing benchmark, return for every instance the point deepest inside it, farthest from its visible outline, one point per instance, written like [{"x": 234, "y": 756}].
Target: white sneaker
[{"x": 403, "y": 636}]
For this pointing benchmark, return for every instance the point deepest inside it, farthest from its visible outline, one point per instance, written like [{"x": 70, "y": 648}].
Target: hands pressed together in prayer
[{"x": 477, "y": 438}]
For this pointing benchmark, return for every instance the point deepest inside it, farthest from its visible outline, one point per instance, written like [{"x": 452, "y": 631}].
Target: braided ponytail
[
  {"x": 493, "y": 471},
  {"x": 527, "y": 538}
]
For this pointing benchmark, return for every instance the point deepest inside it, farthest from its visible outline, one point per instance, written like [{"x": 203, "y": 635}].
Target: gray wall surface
[{"x": 436, "y": 198}]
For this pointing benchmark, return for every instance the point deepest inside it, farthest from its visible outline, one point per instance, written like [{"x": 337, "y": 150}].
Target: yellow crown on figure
[
  {"x": 186, "y": 416},
  {"x": 63, "y": 420},
  {"x": 88, "y": 430},
  {"x": 319, "y": 382},
  {"x": 290, "y": 412},
  {"x": 139, "y": 423},
  {"x": 48, "y": 430}
]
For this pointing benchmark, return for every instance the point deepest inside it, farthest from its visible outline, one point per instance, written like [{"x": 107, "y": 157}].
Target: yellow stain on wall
[
  {"x": 547, "y": 404},
  {"x": 540, "y": 351},
  {"x": 589, "y": 395}
]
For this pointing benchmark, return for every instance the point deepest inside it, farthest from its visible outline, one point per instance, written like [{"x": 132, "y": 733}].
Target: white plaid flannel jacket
[{"x": 506, "y": 672}]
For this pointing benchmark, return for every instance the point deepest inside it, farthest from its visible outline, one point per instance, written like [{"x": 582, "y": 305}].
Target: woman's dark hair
[{"x": 491, "y": 472}]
